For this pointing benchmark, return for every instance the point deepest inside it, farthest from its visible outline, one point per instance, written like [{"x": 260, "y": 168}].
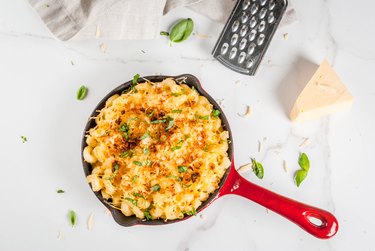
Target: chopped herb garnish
[
  {"x": 72, "y": 216},
  {"x": 24, "y": 139},
  {"x": 182, "y": 169},
  {"x": 170, "y": 124},
  {"x": 257, "y": 168},
  {"x": 175, "y": 94},
  {"x": 164, "y": 33},
  {"x": 176, "y": 111},
  {"x": 186, "y": 186},
  {"x": 193, "y": 89},
  {"x": 134, "y": 202},
  {"x": 176, "y": 147},
  {"x": 116, "y": 167},
  {"x": 147, "y": 215},
  {"x": 152, "y": 113},
  {"x": 135, "y": 119},
  {"x": 158, "y": 121},
  {"x": 124, "y": 128},
  {"x": 138, "y": 195},
  {"x": 134, "y": 179},
  {"x": 174, "y": 177},
  {"x": 146, "y": 151},
  {"x": 82, "y": 92},
  {"x": 127, "y": 154},
  {"x": 135, "y": 79},
  {"x": 155, "y": 188},
  {"x": 148, "y": 162},
  {"x": 192, "y": 212},
  {"x": 215, "y": 113},
  {"x": 60, "y": 191},
  {"x": 205, "y": 148},
  {"x": 138, "y": 163},
  {"x": 107, "y": 131},
  {"x": 145, "y": 136},
  {"x": 204, "y": 117}
]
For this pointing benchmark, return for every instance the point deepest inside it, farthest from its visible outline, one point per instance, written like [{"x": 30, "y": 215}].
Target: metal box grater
[{"x": 247, "y": 34}]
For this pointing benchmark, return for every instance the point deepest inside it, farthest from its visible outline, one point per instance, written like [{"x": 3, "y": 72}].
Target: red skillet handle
[{"x": 301, "y": 214}]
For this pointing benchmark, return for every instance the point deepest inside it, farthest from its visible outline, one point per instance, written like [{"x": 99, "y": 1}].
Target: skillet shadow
[{"x": 293, "y": 83}]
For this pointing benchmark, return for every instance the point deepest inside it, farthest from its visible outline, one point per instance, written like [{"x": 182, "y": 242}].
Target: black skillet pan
[{"x": 317, "y": 222}]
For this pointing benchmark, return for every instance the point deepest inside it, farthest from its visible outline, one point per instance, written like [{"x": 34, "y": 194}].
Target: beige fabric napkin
[{"x": 123, "y": 19}]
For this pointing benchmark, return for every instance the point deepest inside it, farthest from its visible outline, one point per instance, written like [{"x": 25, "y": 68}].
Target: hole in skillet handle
[{"x": 191, "y": 81}]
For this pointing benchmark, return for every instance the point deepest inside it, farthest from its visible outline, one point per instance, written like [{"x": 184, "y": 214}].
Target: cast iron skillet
[{"x": 301, "y": 214}]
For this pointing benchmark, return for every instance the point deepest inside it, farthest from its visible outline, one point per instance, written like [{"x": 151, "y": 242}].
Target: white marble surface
[{"x": 38, "y": 84}]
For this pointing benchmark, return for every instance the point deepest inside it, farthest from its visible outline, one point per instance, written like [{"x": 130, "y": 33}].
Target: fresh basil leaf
[
  {"x": 24, "y": 139},
  {"x": 215, "y": 113},
  {"x": 170, "y": 124},
  {"x": 182, "y": 169},
  {"x": 174, "y": 177},
  {"x": 123, "y": 128},
  {"x": 164, "y": 33},
  {"x": 181, "y": 31},
  {"x": 82, "y": 92},
  {"x": 155, "y": 188},
  {"x": 135, "y": 79},
  {"x": 147, "y": 215},
  {"x": 138, "y": 163},
  {"x": 72, "y": 216},
  {"x": 158, "y": 121},
  {"x": 134, "y": 202},
  {"x": 146, "y": 151},
  {"x": 138, "y": 195},
  {"x": 60, "y": 191},
  {"x": 304, "y": 161},
  {"x": 145, "y": 136},
  {"x": 300, "y": 176},
  {"x": 257, "y": 168}
]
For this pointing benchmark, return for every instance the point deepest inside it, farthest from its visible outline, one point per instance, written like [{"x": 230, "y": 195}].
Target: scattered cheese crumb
[
  {"x": 305, "y": 142},
  {"x": 90, "y": 221},
  {"x": 237, "y": 82},
  {"x": 201, "y": 216},
  {"x": 248, "y": 113},
  {"x": 267, "y": 211},
  {"x": 103, "y": 47},
  {"x": 286, "y": 168},
  {"x": 259, "y": 146},
  {"x": 107, "y": 212},
  {"x": 286, "y": 36},
  {"x": 60, "y": 236},
  {"x": 201, "y": 35},
  {"x": 97, "y": 33},
  {"x": 220, "y": 102},
  {"x": 245, "y": 168}
]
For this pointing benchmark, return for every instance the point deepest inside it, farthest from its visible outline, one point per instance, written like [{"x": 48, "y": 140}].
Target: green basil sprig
[
  {"x": 257, "y": 168},
  {"x": 301, "y": 174},
  {"x": 82, "y": 92},
  {"x": 181, "y": 31}
]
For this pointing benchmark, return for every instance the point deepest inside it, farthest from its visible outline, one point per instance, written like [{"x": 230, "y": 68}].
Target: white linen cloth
[{"x": 124, "y": 19}]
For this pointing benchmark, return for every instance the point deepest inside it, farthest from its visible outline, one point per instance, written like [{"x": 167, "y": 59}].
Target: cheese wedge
[{"x": 324, "y": 94}]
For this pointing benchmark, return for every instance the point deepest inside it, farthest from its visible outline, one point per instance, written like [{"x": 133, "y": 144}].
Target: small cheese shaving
[
  {"x": 97, "y": 33},
  {"x": 60, "y": 236},
  {"x": 286, "y": 168},
  {"x": 245, "y": 168},
  {"x": 201, "y": 216},
  {"x": 267, "y": 211},
  {"x": 90, "y": 221},
  {"x": 237, "y": 82},
  {"x": 286, "y": 36},
  {"x": 305, "y": 142},
  {"x": 220, "y": 102},
  {"x": 248, "y": 113},
  {"x": 259, "y": 146},
  {"x": 202, "y": 36},
  {"x": 103, "y": 47}
]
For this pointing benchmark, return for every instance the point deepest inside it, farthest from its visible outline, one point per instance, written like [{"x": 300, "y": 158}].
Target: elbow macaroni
[{"x": 157, "y": 151}]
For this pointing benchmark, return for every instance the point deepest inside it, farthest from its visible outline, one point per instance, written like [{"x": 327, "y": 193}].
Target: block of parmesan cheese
[{"x": 324, "y": 94}]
